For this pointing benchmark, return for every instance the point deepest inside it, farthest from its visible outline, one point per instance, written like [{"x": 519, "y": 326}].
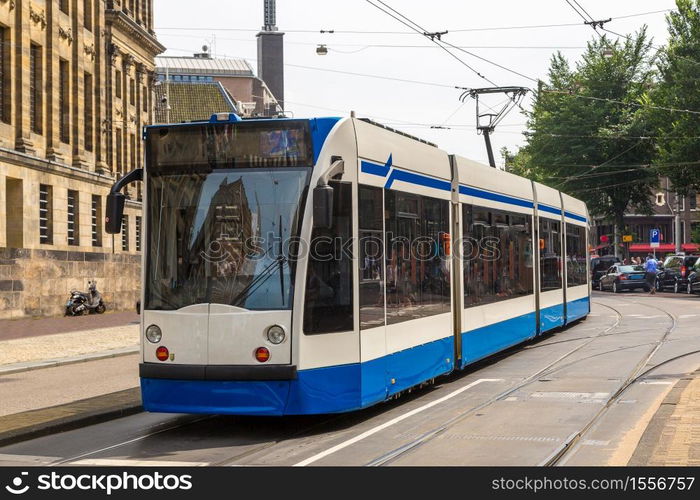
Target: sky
[{"x": 416, "y": 88}]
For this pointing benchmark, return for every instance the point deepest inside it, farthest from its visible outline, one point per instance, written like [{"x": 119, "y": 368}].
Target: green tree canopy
[
  {"x": 679, "y": 68},
  {"x": 588, "y": 134}
]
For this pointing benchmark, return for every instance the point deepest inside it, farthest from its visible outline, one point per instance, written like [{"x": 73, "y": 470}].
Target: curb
[
  {"x": 653, "y": 433},
  {"x": 49, "y": 363},
  {"x": 32, "y": 424}
]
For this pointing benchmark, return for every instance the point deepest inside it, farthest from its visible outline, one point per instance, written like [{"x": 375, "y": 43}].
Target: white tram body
[{"x": 442, "y": 261}]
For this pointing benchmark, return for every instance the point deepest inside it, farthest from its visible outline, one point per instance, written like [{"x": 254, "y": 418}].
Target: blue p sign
[{"x": 654, "y": 237}]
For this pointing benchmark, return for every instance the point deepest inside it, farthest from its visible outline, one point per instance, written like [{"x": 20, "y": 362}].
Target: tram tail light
[
  {"x": 262, "y": 354},
  {"x": 162, "y": 353}
]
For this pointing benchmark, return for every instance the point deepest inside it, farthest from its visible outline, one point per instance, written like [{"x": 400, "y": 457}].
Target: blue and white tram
[{"x": 325, "y": 265}]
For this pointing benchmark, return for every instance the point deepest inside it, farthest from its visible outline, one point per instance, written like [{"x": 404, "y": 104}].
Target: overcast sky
[{"x": 230, "y": 28}]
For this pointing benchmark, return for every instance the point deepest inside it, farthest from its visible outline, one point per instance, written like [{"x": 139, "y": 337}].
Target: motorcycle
[{"x": 84, "y": 303}]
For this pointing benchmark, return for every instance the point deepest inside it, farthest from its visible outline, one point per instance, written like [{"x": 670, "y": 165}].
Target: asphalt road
[{"x": 583, "y": 395}]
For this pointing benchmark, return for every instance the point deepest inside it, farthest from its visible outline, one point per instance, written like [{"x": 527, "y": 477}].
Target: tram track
[
  {"x": 569, "y": 445},
  {"x": 561, "y": 452},
  {"x": 393, "y": 455},
  {"x": 335, "y": 419},
  {"x": 436, "y": 431}
]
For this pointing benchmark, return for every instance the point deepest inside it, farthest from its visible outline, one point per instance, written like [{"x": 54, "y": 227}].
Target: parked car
[
  {"x": 675, "y": 271},
  {"x": 600, "y": 266},
  {"x": 621, "y": 277},
  {"x": 693, "y": 284}
]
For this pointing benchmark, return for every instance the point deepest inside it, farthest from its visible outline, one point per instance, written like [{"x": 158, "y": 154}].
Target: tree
[
  {"x": 679, "y": 67},
  {"x": 588, "y": 135}
]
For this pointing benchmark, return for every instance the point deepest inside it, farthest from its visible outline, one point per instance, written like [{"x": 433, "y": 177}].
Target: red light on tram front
[
  {"x": 162, "y": 353},
  {"x": 262, "y": 354}
]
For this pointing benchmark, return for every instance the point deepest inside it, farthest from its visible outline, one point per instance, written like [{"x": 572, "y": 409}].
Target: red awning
[{"x": 663, "y": 247}]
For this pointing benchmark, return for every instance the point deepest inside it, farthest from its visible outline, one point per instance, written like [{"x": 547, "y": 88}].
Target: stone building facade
[{"x": 76, "y": 86}]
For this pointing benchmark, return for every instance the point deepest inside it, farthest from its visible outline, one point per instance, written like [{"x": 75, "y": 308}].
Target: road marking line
[
  {"x": 594, "y": 442},
  {"x": 658, "y": 382},
  {"x": 684, "y": 316},
  {"x": 396, "y": 420},
  {"x": 125, "y": 462}
]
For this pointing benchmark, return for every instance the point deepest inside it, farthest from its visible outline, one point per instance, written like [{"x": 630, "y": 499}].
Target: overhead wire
[
  {"x": 418, "y": 29},
  {"x": 363, "y": 32}
]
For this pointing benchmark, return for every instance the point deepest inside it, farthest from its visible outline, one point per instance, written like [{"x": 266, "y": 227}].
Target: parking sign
[{"x": 655, "y": 238}]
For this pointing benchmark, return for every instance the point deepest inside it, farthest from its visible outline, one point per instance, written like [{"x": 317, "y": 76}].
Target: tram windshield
[{"x": 221, "y": 225}]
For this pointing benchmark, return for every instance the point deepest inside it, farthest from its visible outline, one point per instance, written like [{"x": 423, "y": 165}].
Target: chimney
[{"x": 271, "y": 54}]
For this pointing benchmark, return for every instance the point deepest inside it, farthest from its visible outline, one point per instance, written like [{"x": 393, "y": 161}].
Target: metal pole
[
  {"x": 489, "y": 150},
  {"x": 677, "y": 223},
  {"x": 167, "y": 95}
]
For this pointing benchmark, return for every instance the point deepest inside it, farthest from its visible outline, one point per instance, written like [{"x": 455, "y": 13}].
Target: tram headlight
[
  {"x": 276, "y": 334},
  {"x": 153, "y": 334}
]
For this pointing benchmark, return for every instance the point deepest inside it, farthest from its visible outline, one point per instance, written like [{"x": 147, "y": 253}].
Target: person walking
[{"x": 650, "y": 267}]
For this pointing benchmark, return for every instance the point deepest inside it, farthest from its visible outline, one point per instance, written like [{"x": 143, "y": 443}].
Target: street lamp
[
  {"x": 608, "y": 53},
  {"x": 321, "y": 50}
]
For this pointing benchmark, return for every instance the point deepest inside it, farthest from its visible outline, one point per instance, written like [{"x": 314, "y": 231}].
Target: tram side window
[
  {"x": 550, "y": 255},
  {"x": 371, "y": 261},
  {"x": 497, "y": 255},
  {"x": 417, "y": 257},
  {"x": 575, "y": 255},
  {"x": 329, "y": 288}
]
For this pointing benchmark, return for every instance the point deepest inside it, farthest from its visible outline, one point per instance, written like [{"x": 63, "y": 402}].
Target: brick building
[
  {"x": 662, "y": 217},
  {"x": 76, "y": 86}
]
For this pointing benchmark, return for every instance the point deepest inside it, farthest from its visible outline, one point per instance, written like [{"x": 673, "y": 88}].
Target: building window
[
  {"x": 118, "y": 84},
  {"x": 73, "y": 221},
  {"x": 64, "y": 101},
  {"x": 45, "y": 214},
  {"x": 118, "y": 151},
  {"x": 125, "y": 233},
  {"x": 35, "y": 89},
  {"x": 64, "y": 5},
  {"x": 96, "y": 221},
  {"x": 328, "y": 305},
  {"x": 87, "y": 14},
  {"x": 132, "y": 92},
  {"x": 14, "y": 212},
  {"x": 138, "y": 233},
  {"x": 88, "y": 110},
  {"x": 132, "y": 152},
  {"x": 5, "y": 83},
  {"x": 144, "y": 99}
]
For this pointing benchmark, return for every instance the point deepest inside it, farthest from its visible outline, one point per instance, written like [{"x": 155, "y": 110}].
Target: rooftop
[
  {"x": 203, "y": 66},
  {"x": 191, "y": 101}
]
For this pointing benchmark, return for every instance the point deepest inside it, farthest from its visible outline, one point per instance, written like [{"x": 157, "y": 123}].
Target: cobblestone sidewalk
[
  {"x": 673, "y": 436},
  {"x": 66, "y": 345}
]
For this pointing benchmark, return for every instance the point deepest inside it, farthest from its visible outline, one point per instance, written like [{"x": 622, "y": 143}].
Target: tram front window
[{"x": 219, "y": 232}]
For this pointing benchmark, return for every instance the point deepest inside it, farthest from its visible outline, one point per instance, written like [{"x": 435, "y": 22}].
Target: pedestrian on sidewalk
[{"x": 650, "y": 267}]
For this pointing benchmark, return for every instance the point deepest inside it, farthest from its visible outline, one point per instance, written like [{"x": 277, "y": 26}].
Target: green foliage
[
  {"x": 581, "y": 144},
  {"x": 695, "y": 235},
  {"x": 679, "y": 68}
]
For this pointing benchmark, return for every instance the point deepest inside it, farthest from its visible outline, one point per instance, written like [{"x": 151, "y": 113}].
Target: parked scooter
[{"x": 85, "y": 303}]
